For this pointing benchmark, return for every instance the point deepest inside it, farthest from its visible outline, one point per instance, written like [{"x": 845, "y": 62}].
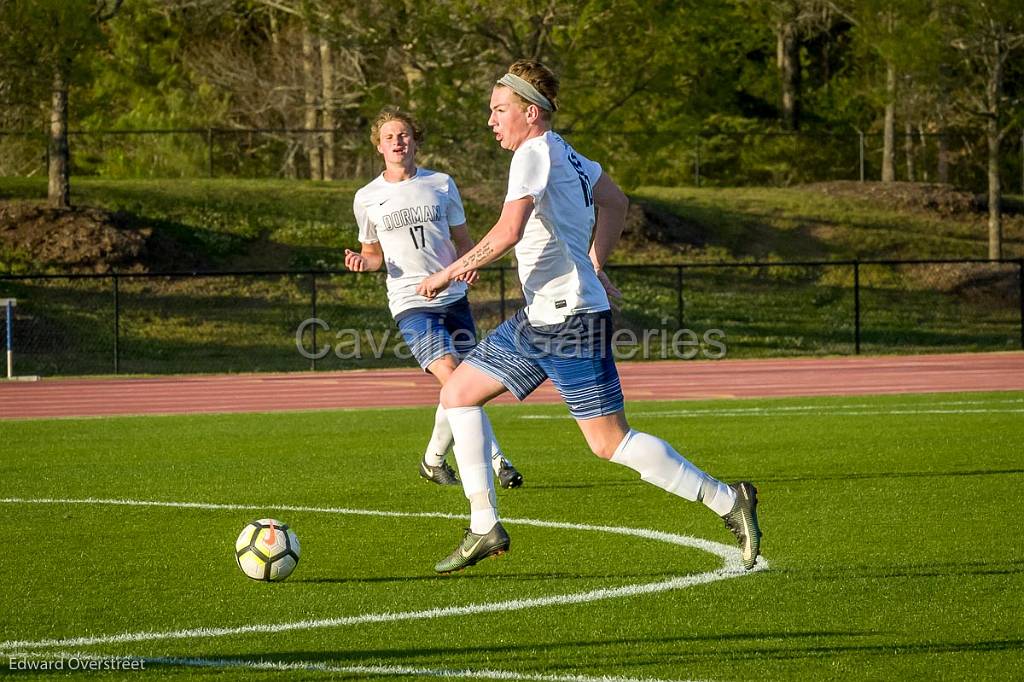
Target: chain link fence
[{"x": 292, "y": 321}]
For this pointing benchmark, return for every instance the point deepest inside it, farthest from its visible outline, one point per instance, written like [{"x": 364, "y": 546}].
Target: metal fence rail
[{"x": 76, "y": 324}]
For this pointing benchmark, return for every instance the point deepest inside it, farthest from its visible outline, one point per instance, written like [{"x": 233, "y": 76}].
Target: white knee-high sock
[
  {"x": 659, "y": 464},
  {"x": 471, "y": 429},
  {"x": 440, "y": 439},
  {"x": 496, "y": 454}
]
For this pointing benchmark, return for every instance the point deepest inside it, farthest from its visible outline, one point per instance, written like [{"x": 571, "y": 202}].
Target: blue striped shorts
[
  {"x": 432, "y": 333},
  {"x": 576, "y": 355}
]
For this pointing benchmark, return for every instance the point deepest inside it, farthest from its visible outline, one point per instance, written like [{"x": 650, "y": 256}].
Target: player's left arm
[
  {"x": 505, "y": 234},
  {"x": 611, "y": 204},
  {"x": 463, "y": 245}
]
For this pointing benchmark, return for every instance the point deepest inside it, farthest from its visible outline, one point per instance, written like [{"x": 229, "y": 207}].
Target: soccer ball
[{"x": 267, "y": 550}]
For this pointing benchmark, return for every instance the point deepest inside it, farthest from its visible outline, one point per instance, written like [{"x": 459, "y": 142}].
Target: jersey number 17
[{"x": 418, "y": 240}]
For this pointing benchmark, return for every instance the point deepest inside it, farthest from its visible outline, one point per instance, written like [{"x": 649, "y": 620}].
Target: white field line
[
  {"x": 363, "y": 670},
  {"x": 732, "y": 568},
  {"x": 707, "y": 412},
  {"x": 855, "y": 410}
]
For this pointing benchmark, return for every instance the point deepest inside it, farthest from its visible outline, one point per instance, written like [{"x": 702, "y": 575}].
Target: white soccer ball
[{"x": 267, "y": 550}]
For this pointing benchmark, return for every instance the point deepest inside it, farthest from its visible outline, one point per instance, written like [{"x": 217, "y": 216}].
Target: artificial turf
[{"x": 890, "y": 526}]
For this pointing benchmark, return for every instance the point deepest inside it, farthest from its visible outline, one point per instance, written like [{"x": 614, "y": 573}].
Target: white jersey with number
[
  {"x": 554, "y": 263},
  {"x": 411, "y": 220}
]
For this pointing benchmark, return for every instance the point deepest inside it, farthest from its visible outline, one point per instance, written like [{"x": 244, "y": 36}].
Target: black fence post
[
  {"x": 856, "y": 307},
  {"x": 313, "y": 326},
  {"x": 117, "y": 325},
  {"x": 679, "y": 297},
  {"x": 501, "y": 291}
]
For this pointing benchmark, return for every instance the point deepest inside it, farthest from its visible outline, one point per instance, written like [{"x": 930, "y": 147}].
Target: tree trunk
[
  {"x": 311, "y": 92},
  {"x": 995, "y": 192},
  {"x": 908, "y": 150},
  {"x": 789, "y": 74},
  {"x": 327, "y": 76},
  {"x": 889, "y": 136},
  {"x": 275, "y": 37},
  {"x": 993, "y": 135},
  {"x": 59, "y": 192},
  {"x": 943, "y": 158},
  {"x": 922, "y": 140}
]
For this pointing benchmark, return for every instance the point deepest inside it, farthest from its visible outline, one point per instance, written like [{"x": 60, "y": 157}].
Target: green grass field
[{"x": 890, "y": 531}]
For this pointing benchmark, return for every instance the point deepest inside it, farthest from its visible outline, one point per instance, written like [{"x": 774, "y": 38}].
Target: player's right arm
[
  {"x": 371, "y": 255},
  {"x": 369, "y": 258}
]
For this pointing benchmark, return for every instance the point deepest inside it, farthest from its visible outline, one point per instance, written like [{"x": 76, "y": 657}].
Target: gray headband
[{"x": 526, "y": 91}]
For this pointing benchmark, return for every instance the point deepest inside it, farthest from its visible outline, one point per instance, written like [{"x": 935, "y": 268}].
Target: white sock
[
  {"x": 659, "y": 464},
  {"x": 440, "y": 439},
  {"x": 471, "y": 429},
  {"x": 496, "y": 454}
]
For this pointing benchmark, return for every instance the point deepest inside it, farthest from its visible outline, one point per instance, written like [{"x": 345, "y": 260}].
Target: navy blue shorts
[
  {"x": 432, "y": 333},
  {"x": 576, "y": 355}
]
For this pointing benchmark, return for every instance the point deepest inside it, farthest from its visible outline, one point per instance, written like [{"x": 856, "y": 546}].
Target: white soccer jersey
[
  {"x": 411, "y": 219},
  {"x": 554, "y": 264}
]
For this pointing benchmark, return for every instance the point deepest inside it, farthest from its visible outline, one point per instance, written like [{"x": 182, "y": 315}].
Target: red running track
[{"x": 665, "y": 380}]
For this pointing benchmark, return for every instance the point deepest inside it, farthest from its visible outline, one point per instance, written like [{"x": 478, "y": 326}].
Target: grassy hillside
[
  {"x": 836, "y": 221},
  {"x": 245, "y": 323},
  {"x": 281, "y": 224},
  {"x": 227, "y": 223}
]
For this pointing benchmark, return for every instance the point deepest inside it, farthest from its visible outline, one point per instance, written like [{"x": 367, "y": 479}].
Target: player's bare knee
[
  {"x": 443, "y": 368},
  {"x": 453, "y": 394},
  {"x": 601, "y": 447},
  {"x": 448, "y": 394},
  {"x": 604, "y": 435},
  {"x": 604, "y": 449}
]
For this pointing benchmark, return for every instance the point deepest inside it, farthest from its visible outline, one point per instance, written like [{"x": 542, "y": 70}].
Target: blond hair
[{"x": 388, "y": 114}]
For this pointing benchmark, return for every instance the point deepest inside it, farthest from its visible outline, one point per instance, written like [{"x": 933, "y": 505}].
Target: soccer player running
[
  {"x": 564, "y": 332},
  {"x": 409, "y": 218}
]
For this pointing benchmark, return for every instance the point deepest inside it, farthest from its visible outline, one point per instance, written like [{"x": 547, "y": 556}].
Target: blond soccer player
[
  {"x": 411, "y": 220},
  {"x": 563, "y": 216}
]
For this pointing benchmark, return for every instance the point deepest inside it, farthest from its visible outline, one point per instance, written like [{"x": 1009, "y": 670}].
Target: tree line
[{"x": 638, "y": 76}]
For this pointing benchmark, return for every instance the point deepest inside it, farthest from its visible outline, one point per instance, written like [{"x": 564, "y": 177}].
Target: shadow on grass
[
  {"x": 576, "y": 486},
  {"x": 547, "y": 657},
  {"x": 505, "y": 578},
  {"x": 742, "y": 232},
  {"x": 942, "y": 569},
  {"x": 890, "y": 475}
]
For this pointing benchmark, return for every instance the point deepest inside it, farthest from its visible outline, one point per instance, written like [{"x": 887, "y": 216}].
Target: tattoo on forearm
[{"x": 483, "y": 251}]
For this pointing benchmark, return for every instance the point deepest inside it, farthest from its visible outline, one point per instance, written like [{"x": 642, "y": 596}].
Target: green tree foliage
[
  {"x": 46, "y": 47},
  {"x": 641, "y": 82},
  {"x": 141, "y": 84},
  {"x": 988, "y": 35}
]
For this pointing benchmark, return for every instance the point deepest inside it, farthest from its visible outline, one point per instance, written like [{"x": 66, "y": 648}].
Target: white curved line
[{"x": 731, "y": 556}]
